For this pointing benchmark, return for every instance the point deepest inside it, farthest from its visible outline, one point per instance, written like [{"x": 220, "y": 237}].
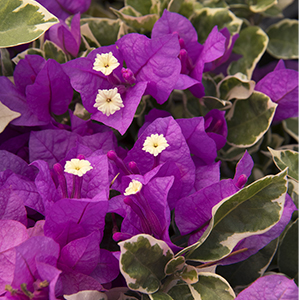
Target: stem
[{"x": 217, "y": 261}]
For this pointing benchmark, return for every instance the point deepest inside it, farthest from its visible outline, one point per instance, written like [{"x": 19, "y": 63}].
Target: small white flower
[
  {"x": 105, "y": 63},
  {"x": 155, "y": 144},
  {"x": 78, "y": 166},
  {"x": 108, "y": 101},
  {"x": 133, "y": 188}
]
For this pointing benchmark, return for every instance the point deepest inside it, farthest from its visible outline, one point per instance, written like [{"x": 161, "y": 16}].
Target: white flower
[
  {"x": 155, "y": 144},
  {"x": 105, "y": 63},
  {"x": 108, "y": 101},
  {"x": 78, "y": 166},
  {"x": 133, "y": 188}
]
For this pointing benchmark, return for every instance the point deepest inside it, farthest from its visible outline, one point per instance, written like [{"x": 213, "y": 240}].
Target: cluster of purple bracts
[{"x": 59, "y": 254}]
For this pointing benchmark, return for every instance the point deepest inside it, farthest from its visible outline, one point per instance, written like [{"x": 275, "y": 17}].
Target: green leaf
[
  {"x": 175, "y": 5},
  {"x": 229, "y": 153},
  {"x": 160, "y": 296},
  {"x": 256, "y": 40},
  {"x": 291, "y": 126},
  {"x": 53, "y": 51},
  {"x": 6, "y": 66},
  {"x": 189, "y": 274},
  {"x": 135, "y": 19},
  {"x": 142, "y": 262},
  {"x": 23, "y": 21},
  {"x": 6, "y": 116},
  {"x": 181, "y": 291},
  {"x": 261, "y": 5},
  {"x": 283, "y": 38},
  {"x": 293, "y": 190},
  {"x": 251, "y": 118},
  {"x": 255, "y": 266},
  {"x": 205, "y": 19},
  {"x": 209, "y": 85},
  {"x": 105, "y": 31},
  {"x": 215, "y": 103},
  {"x": 236, "y": 86},
  {"x": 188, "y": 7},
  {"x": 286, "y": 158},
  {"x": 211, "y": 286},
  {"x": 253, "y": 210},
  {"x": 288, "y": 251},
  {"x": 142, "y": 6},
  {"x": 215, "y": 3},
  {"x": 174, "y": 265},
  {"x": 31, "y": 51}
]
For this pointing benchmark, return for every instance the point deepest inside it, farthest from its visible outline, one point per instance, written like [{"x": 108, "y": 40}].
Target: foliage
[{"x": 149, "y": 150}]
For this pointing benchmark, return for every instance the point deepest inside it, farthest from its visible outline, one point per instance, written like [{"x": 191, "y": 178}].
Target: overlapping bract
[{"x": 53, "y": 223}]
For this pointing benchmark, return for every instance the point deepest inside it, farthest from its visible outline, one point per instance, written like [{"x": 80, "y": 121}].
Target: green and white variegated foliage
[
  {"x": 205, "y": 19},
  {"x": 253, "y": 210},
  {"x": 249, "y": 119},
  {"x": 286, "y": 159},
  {"x": 283, "y": 39},
  {"x": 23, "y": 21},
  {"x": 291, "y": 126},
  {"x": 236, "y": 86},
  {"x": 142, "y": 262},
  {"x": 257, "y": 41},
  {"x": 208, "y": 286},
  {"x": 149, "y": 265}
]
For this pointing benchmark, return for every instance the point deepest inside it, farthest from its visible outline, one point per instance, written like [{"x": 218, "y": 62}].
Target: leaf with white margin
[
  {"x": 142, "y": 6},
  {"x": 142, "y": 262},
  {"x": 235, "y": 86},
  {"x": 51, "y": 50},
  {"x": 134, "y": 19},
  {"x": 6, "y": 116},
  {"x": 251, "y": 119},
  {"x": 104, "y": 31},
  {"x": 291, "y": 126},
  {"x": 181, "y": 291},
  {"x": 253, "y": 210},
  {"x": 160, "y": 296},
  {"x": 256, "y": 40},
  {"x": 86, "y": 295},
  {"x": 286, "y": 158},
  {"x": 262, "y": 5},
  {"x": 205, "y": 19},
  {"x": 23, "y": 21},
  {"x": 30, "y": 51},
  {"x": 288, "y": 251},
  {"x": 211, "y": 286},
  {"x": 283, "y": 39},
  {"x": 174, "y": 265},
  {"x": 293, "y": 190},
  {"x": 6, "y": 65},
  {"x": 189, "y": 274}
]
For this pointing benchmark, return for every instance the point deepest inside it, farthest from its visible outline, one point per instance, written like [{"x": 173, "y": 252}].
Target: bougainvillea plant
[{"x": 148, "y": 150}]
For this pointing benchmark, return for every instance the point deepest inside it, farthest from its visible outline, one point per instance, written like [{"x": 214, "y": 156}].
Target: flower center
[
  {"x": 78, "y": 166},
  {"x": 108, "y": 101},
  {"x": 134, "y": 187},
  {"x": 155, "y": 144},
  {"x": 105, "y": 63}
]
